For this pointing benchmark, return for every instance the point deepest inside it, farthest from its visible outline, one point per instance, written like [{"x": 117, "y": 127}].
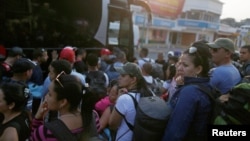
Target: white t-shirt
[
  {"x": 125, "y": 106},
  {"x": 144, "y": 60}
]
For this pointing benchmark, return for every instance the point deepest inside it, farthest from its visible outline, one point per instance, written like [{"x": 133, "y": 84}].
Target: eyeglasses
[{"x": 57, "y": 79}]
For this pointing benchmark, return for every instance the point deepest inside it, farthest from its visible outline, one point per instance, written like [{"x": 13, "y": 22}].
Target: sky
[{"x": 237, "y": 9}]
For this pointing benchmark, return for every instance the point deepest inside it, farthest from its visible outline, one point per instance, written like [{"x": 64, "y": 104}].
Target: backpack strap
[
  {"x": 60, "y": 130},
  {"x": 130, "y": 126},
  {"x": 146, "y": 61},
  {"x": 213, "y": 93}
]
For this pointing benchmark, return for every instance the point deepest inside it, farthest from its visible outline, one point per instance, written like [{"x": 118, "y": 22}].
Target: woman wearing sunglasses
[
  {"x": 65, "y": 95},
  {"x": 190, "y": 106},
  {"x": 130, "y": 82}
]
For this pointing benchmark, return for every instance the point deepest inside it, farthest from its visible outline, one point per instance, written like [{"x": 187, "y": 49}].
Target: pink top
[{"x": 102, "y": 104}]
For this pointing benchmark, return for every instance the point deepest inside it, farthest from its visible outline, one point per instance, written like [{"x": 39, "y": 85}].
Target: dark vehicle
[{"x": 55, "y": 24}]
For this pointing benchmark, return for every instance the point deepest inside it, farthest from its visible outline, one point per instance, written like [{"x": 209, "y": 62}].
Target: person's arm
[
  {"x": 9, "y": 134},
  {"x": 115, "y": 119},
  {"x": 116, "y": 116},
  {"x": 104, "y": 120},
  {"x": 39, "y": 132}
]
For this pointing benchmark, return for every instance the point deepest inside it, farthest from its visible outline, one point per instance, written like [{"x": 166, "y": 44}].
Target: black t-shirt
[{"x": 21, "y": 123}]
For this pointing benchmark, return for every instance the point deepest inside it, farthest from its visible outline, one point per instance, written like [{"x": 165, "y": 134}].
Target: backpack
[
  {"x": 97, "y": 81},
  {"x": 156, "y": 86},
  {"x": 152, "y": 114},
  {"x": 95, "y": 78},
  {"x": 235, "y": 111},
  {"x": 111, "y": 72},
  {"x": 213, "y": 95},
  {"x": 157, "y": 71}
]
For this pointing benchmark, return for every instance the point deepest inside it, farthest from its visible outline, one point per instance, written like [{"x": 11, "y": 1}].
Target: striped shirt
[{"x": 41, "y": 133}]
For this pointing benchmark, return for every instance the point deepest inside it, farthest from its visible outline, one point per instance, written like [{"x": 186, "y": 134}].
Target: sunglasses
[
  {"x": 214, "y": 49},
  {"x": 194, "y": 51},
  {"x": 57, "y": 78}
]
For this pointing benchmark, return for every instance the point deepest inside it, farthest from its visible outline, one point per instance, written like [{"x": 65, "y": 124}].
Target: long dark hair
[
  {"x": 142, "y": 87},
  {"x": 200, "y": 57},
  {"x": 15, "y": 93},
  {"x": 70, "y": 88}
]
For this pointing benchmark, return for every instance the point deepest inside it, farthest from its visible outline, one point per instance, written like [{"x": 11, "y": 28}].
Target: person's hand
[
  {"x": 224, "y": 98},
  {"x": 122, "y": 91},
  {"x": 179, "y": 80},
  {"x": 42, "y": 110}
]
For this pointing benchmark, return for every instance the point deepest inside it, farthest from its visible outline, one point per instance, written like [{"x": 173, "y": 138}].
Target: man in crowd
[
  {"x": 245, "y": 59},
  {"x": 224, "y": 75}
]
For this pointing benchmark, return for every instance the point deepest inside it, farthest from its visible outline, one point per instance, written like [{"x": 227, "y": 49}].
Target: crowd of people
[{"x": 85, "y": 91}]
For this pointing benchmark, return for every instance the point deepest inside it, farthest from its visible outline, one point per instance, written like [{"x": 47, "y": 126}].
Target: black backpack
[
  {"x": 157, "y": 71},
  {"x": 156, "y": 86},
  {"x": 152, "y": 114},
  {"x": 235, "y": 110},
  {"x": 97, "y": 82},
  {"x": 95, "y": 78},
  {"x": 213, "y": 95}
]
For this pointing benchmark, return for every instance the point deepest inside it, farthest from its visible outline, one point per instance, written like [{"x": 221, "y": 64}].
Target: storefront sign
[{"x": 166, "y": 8}]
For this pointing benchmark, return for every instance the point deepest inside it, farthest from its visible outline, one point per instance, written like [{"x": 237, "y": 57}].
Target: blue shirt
[
  {"x": 225, "y": 77},
  {"x": 190, "y": 112}
]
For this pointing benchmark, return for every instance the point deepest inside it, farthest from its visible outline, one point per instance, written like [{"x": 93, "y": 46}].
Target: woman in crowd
[
  {"x": 169, "y": 85},
  {"x": 65, "y": 95},
  {"x": 104, "y": 120},
  {"x": 15, "y": 122},
  {"x": 130, "y": 81},
  {"x": 190, "y": 106}
]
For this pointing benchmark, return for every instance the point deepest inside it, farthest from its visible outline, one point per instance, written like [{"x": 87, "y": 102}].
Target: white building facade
[{"x": 199, "y": 19}]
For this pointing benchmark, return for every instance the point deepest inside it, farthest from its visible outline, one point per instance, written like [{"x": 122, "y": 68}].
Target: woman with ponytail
[{"x": 74, "y": 105}]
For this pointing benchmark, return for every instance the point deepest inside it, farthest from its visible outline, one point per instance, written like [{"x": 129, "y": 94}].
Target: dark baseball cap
[
  {"x": 131, "y": 69},
  {"x": 225, "y": 43},
  {"x": 14, "y": 51},
  {"x": 22, "y": 65}
]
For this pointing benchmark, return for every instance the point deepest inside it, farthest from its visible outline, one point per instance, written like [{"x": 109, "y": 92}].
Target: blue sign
[
  {"x": 213, "y": 26},
  {"x": 139, "y": 19},
  {"x": 163, "y": 23},
  {"x": 192, "y": 23},
  {"x": 197, "y": 24},
  {"x": 160, "y": 22}
]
